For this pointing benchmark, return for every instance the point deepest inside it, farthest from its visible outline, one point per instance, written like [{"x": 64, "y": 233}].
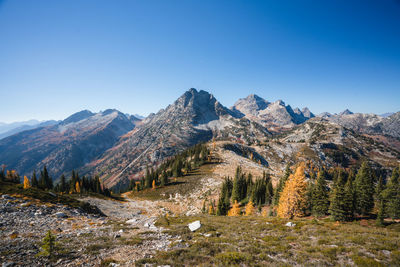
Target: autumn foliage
[
  {"x": 27, "y": 184},
  {"x": 235, "y": 210},
  {"x": 292, "y": 201},
  {"x": 249, "y": 208}
]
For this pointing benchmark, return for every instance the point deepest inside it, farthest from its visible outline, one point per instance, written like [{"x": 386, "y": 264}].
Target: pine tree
[
  {"x": 392, "y": 195},
  {"x": 48, "y": 245},
  {"x": 380, "y": 220},
  {"x": 35, "y": 182},
  {"x": 249, "y": 208},
  {"x": 164, "y": 178},
  {"x": 342, "y": 204},
  {"x": 281, "y": 185},
  {"x": 269, "y": 193},
  {"x": 147, "y": 178},
  {"x": 235, "y": 210},
  {"x": 292, "y": 200},
  {"x": 27, "y": 184},
  {"x": 236, "y": 191},
  {"x": 364, "y": 189},
  {"x": 63, "y": 184},
  {"x": 320, "y": 196}
]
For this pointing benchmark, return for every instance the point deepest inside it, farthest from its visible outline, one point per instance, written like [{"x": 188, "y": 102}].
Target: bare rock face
[
  {"x": 270, "y": 115},
  {"x": 67, "y": 145},
  {"x": 193, "y": 118},
  {"x": 368, "y": 123}
]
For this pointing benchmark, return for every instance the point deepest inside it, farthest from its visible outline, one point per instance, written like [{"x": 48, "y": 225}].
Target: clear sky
[{"x": 59, "y": 57}]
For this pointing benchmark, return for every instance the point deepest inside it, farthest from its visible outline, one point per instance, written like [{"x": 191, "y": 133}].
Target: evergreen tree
[
  {"x": 292, "y": 200},
  {"x": 164, "y": 178},
  {"x": 63, "y": 184},
  {"x": 269, "y": 193},
  {"x": 392, "y": 195},
  {"x": 320, "y": 196},
  {"x": 2, "y": 174},
  {"x": 35, "y": 182},
  {"x": 281, "y": 185},
  {"x": 364, "y": 189},
  {"x": 342, "y": 204},
  {"x": 147, "y": 178}
]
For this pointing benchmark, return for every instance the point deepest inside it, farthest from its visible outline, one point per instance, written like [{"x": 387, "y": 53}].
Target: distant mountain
[
  {"x": 5, "y": 127},
  {"x": 26, "y": 127},
  {"x": 193, "y": 118},
  {"x": 368, "y": 123},
  {"x": 67, "y": 145},
  {"x": 274, "y": 115},
  {"x": 384, "y": 115}
]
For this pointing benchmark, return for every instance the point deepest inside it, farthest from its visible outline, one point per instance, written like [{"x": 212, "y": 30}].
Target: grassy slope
[
  {"x": 258, "y": 241},
  {"x": 44, "y": 196},
  {"x": 183, "y": 185}
]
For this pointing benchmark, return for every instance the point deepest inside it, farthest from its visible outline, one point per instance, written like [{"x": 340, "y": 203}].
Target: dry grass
[{"x": 258, "y": 241}]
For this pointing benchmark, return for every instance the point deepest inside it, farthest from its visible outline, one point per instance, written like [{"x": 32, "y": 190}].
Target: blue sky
[{"x": 59, "y": 57}]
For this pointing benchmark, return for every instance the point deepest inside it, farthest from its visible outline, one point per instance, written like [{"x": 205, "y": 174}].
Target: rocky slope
[
  {"x": 195, "y": 117},
  {"x": 367, "y": 123},
  {"x": 274, "y": 116},
  {"x": 322, "y": 142},
  {"x": 67, "y": 145}
]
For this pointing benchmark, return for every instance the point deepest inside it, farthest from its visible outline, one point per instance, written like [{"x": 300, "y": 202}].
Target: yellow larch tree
[
  {"x": 235, "y": 210},
  {"x": 77, "y": 188},
  {"x": 292, "y": 201},
  {"x": 249, "y": 208},
  {"x": 153, "y": 185},
  {"x": 27, "y": 184}
]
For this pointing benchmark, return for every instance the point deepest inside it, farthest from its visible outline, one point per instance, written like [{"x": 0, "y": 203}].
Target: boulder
[
  {"x": 194, "y": 226},
  {"x": 290, "y": 224}
]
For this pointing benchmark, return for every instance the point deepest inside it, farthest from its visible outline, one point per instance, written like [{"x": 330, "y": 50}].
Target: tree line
[
  {"x": 176, "y": 166},
  {"x": 339, "y": 193},
  {"x": 43, "y": 181}
]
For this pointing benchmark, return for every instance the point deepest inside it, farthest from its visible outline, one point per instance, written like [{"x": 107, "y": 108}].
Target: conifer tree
[
  {"x": 153, "y": 185},
  {"x": 320, "y": 196},
  {"x": 27, "y": 184},
  {"x": 392, "y": 195},
  {"x": 380, "y": 220},
  {"x": 63, "y": 184},
  {"x": 236, "y": 190},
  {"x": 342, "y": 205},
  {"x": 147, "y": 178},
  {"x": 34, "y": 180},
  {"x": 48, "y": 245},
  {"x": 269, "y": 193},
  {"x": 164, "y": 178},
  {"x": 249, "y": 208},
  {"x": 364, "y": 189},
  {"x": 235, "y": 210},
  {"x": 292, "y": 200},
  {"x": 281, "y": 185}
]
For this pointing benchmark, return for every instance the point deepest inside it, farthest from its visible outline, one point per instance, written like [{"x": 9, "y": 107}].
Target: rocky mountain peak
[
  {"x": 78, "y": 116},
  {"x": 346, "y": 112}
]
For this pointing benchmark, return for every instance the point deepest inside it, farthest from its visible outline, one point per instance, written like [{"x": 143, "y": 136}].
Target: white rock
[
  {"x": 290, "y": 224},
  {"x": 121, "y": 231},
  {"x": 194, "y": 226},
  {"x": 207, "y": 235},
  {"x": 131, "y": 221},
  {"x": 147, "y": 225}
]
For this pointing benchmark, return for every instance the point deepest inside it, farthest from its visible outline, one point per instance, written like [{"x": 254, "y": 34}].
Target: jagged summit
[
  {"x": 275, "y": 114},
  {"x": 346, "y": 112}
]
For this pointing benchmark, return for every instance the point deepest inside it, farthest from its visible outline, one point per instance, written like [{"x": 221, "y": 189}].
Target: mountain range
[{"x": 118, "y": 147}]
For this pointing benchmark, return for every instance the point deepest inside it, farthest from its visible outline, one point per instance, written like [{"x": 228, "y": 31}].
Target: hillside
[{"x": 67, "y": 145}]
